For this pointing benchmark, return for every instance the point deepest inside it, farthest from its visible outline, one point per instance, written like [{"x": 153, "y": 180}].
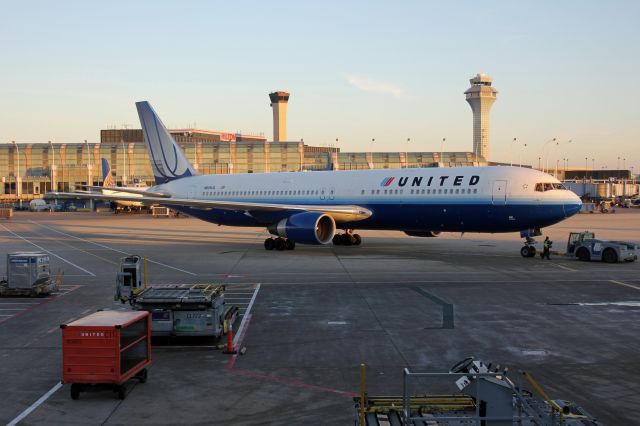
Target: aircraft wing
[
  {"x": 122, "y": 189},
  {"x": 339, "y": 212}
]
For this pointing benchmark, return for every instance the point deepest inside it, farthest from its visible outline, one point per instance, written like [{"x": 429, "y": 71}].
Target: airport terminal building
[{"x": 28, "y": 170}]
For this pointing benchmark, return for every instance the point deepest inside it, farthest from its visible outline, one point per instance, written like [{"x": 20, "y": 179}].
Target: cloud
[{"x": 368, "y": 85}]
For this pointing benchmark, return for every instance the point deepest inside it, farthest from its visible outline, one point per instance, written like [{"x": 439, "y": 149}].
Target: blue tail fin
[
  {"x": 107, "y": 178},
  {"x": 167, "y": 159}
]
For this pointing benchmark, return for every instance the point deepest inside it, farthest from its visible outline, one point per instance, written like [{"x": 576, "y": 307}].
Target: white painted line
[
  {"x": 566, "y": 268},
  {"x": 47, "y": 251},
  {"x": 35, "y": 405},
  {"x": 19, "y": 303},
  {"x": 13, "y": 309},
  {"x": 110, "y": 248},
  {"x": 245, "y": 315},
  {"x": 625, "y": 284},
  {"x": 6, "y": 315}
]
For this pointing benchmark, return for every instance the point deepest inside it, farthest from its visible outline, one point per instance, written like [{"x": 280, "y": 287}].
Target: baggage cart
[
  {"x": 29, "y": 275},
  {"x": 105, "y": 350}
]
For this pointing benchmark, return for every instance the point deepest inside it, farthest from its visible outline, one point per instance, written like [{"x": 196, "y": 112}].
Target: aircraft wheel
[
  {"x": 357, "y": 239},
  {"x": 337, "y": 240},
  {"x": 524, "y": 251},
  {"x": 269, "y": 244},
  {"x": 75, "y": 391},
  {"x": 142, "y": 375},
  {"x": 583, "y": 254},
  {"x": 290, "y": 244},
  {"x": 346, "y": 239},
  {"x": 609, "y": 256},
  {"x": 122, "y": 392},
  {"x": 532, "y": 251},
  {"x": 280, "y": 244}
]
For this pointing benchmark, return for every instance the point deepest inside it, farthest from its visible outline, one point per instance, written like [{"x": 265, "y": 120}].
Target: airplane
[
  {"x": 310, "y": 207},
  {"x": 107, "y": 182}
]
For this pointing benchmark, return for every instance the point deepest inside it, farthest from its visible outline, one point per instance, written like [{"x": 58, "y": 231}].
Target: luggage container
[
  {"x": 28, "y": 274},
  {"x": 106, "y": 349}
]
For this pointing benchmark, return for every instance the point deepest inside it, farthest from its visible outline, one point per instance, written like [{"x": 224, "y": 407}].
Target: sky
[{"x": 356, "y": 70}]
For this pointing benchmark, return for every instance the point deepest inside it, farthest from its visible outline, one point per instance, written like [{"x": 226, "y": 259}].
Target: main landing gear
[
  {"x": 347, "y": 239},
  {"x": 528, "y": 250},
  {"x": 279, "y": 244}
]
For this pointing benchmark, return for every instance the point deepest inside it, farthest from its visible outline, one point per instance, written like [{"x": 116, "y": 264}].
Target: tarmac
[{"x": 311, "y": 316}]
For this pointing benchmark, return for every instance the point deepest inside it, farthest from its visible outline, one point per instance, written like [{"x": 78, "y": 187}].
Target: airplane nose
[{"x": 572, "y": 206}]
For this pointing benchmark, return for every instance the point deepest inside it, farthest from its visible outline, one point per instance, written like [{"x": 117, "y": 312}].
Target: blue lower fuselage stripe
[{"x": 454, "y": 217}]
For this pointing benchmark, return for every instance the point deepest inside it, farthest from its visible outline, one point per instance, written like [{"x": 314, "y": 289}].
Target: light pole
[
  {"x": 406, "y": 153},
  {"x": 52, "y": 166},
  {"x": 557, "y": 151},
  {"x": 546, "y": 159},
  {"x": 523, "y": 146},
  {"x": 586, "y": 167},
  {"x": 442, "y": 150},
  {"x": 511, "y": 151},
  {"x": 539, "y": 159},
  {"x": 17, "y": 176},
  {"x": 124, "y": 169}
]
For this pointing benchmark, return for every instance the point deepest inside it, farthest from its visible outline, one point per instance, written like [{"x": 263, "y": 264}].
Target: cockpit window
[{"x": 547, "y": 186}]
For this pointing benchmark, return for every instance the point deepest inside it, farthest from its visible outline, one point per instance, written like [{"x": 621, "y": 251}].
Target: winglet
[{"x": 168, "y": 161}]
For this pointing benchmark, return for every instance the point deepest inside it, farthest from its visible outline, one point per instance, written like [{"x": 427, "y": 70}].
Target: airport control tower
[
  {"x": 481, "y": 97},
  {"x": 279, "y": 101}
]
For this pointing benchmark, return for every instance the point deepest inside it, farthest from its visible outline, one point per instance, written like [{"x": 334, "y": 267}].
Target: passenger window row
[
  {"x": 428, "y": 191},
  {"x": 262, "y": 193}
]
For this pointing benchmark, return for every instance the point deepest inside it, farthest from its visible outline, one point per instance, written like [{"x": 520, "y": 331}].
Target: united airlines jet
[
  {"x": 311, "y": 207},
  {"x": 107, "y": 182}
]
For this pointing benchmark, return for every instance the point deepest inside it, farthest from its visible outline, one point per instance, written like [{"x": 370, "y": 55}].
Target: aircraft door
[
  {"x": 323, "y": 192},
  {"x": 499, "y": 193},
  {"x": 332, "y": 193}
]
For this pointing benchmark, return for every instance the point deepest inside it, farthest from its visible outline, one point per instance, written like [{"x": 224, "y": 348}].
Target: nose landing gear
[{"x": 528, "y": 250}]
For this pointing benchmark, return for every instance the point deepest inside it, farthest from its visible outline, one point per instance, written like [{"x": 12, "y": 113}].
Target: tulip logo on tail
[{"x": 167, "y": 159}]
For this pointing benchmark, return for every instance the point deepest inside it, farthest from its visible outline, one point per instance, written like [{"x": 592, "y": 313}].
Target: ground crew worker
[{"x": 546, "y": 248}]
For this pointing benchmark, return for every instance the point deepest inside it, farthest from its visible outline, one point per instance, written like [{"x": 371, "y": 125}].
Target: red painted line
[
  {"x": 295, "y": 383},
  {"x": 49, "y": 299},
  {"x": 291, "y": 382}
]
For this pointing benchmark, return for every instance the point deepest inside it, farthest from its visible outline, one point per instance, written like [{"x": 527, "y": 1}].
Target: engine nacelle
[
  {"x": 422, "y": 233},
  {"x": 306, "y": 228}
]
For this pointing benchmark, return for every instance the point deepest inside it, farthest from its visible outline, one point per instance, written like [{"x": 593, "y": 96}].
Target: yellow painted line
[
  {"x": 566, "y": 268},
  {"x": 625, "y": 284}
]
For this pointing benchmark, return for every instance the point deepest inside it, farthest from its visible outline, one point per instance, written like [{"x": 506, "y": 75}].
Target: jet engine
[
  {"x": 422, "y": 233},
  {"x": 306, "y": 228}
]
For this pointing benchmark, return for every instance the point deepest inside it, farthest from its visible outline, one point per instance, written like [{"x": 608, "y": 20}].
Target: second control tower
[{"x": 481, "y": 97}]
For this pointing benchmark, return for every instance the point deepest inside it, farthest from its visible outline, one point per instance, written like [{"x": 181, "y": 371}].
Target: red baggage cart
[{"x": 106, "y": 349}]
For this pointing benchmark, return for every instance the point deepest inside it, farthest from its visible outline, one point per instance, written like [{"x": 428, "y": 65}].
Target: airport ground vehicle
[
  {"x": 106, "y": 349},
  {"x": 485, "y": 395},
  {"x": 6, "y": 212},
  {"x": 39, "y": 205},
  {"x": 176, "y": 309},
  {"x": 28, "y": 274},
  {"x": 584, "y": 246}
]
